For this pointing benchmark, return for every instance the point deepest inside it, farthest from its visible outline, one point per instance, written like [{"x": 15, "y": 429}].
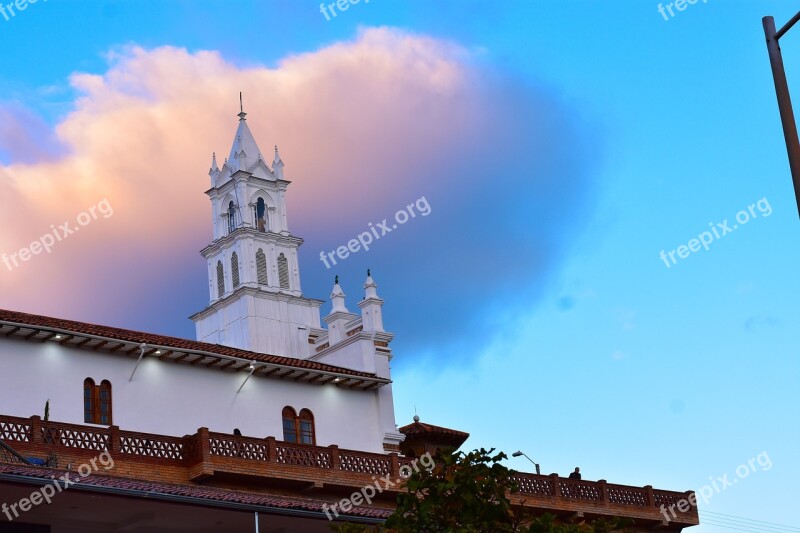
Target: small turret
[
  {"x": 339, "y": 317},
  {"x": 214, "y": 171},
  {"x": 371, "y": 313},
  {"x": 337, "y": 297},
  {"x": 277, "y": 165}
]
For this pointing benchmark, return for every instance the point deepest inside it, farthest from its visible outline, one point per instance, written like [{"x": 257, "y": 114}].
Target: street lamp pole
[
  {"x": 519, "y": 454},
  {"x": 784, "y": 99}
]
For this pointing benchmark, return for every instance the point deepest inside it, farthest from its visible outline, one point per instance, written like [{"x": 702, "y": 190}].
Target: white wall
[
  {"x": 176, "y": 399},
  {"x": 264, "y": 322}
]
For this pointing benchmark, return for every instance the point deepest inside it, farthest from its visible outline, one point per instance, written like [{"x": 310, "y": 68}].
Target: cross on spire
[{"x": 241, "y": 114}]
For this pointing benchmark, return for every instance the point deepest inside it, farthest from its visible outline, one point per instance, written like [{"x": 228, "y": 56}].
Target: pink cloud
[{"x": 364, "y": 127}]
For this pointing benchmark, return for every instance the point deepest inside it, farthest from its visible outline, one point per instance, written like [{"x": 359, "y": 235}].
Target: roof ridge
[{"x": 179, "y": 343}]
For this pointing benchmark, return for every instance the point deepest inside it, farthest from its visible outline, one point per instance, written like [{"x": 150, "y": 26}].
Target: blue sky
[{"x": 576, "y": 343}]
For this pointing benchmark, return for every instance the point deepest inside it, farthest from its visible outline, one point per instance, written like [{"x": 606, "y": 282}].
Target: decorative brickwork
[{"x": 233, "y": 462}]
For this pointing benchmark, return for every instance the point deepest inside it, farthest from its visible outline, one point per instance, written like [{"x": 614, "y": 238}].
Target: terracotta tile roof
[
  {"x": 170, "y": 342},
  {"x": 420, "y": 428},
  {"x": 212, "y": 495}
]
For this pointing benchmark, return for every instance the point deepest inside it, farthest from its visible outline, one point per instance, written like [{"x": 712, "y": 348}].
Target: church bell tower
[{"x": 255, "y": 297}]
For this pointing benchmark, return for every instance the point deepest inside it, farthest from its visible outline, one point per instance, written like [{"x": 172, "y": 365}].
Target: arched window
[
  {"x": 88, "y": 400},
  {"x": 261, "y": 267},
  {"x": 97, "y": 402},
  {"x": 220, "y": 280},
  {"x": 235, "y": 269},
  {"x": 307, "y": 427},
  {"x": 231, "y": 217},
  {"x": 105, "y": 403},
  {"x": 283, "y": 271},
  {"x": 289, "y": 424},
  {"x": 298, "y": 428},
  {"x": 261, "y": 215}
]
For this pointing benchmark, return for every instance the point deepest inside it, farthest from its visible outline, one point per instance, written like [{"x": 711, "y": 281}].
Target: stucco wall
[{"x": 176, "y": 399}]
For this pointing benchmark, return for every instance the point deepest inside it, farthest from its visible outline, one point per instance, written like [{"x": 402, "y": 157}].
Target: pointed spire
[
  {"x": 371, "y": 314},
  {"x": 244, "y": 152},
  {"x": 214, "y": 171},
  {"x": 370, "y": 286},
  {"x": 337, "y": 297},
  {"x": 277, "y": 164}
]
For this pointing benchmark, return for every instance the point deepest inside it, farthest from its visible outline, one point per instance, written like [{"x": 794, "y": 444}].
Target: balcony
[
  {"x": 269, "y": 465},
  {"x": 594, "y": 499},
  {"x": 202, "y": 457}
]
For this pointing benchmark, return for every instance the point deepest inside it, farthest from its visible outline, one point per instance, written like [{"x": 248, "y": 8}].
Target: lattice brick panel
[
  {"x": 84, "y": 440},
  {"x": 580, "y": 491},
  {"x": 627, "y": 496},
  {"x": 151, "y": 448},
  {"x": 534, "y": 485},
  {"x": 11, "y": 431},
  {"x": 365, "y": 465},
  {"x": 303, "y": 457},
  {"x": 666, "y": 500},
  {"x": 234, "y": 448}
]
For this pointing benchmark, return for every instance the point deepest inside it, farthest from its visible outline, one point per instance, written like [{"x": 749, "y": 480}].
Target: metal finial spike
[
  {"x": 336, "y": 280},
  {"x": 368, "y": 274},
  {"x": 241, "y": 103}
]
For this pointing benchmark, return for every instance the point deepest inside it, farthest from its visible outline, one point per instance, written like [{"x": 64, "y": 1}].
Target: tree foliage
[
  {"x": 463, "y": 492},
  {"x": 469, "y": 492}
]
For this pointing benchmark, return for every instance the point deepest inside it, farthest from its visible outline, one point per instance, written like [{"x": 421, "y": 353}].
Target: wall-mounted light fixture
[
  {"x": 142, "y": 347},
  {"x": 252, "y": 367}
]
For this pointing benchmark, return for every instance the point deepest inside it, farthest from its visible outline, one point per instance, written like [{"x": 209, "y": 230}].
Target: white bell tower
[{"x": 256, "y": 301}]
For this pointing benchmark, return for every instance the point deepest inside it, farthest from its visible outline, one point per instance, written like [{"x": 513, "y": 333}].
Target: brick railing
[
  {"x": 601, "y": 494},
  {"x": 202, "y": 447},
  {"x": 271, "y": 450},
  {"x": 205, "y": 453}
]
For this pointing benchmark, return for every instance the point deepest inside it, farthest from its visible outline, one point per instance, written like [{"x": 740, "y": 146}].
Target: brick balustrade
[
  {"x": 204, "y": 454},
  {"x": 600, "y": 496}
]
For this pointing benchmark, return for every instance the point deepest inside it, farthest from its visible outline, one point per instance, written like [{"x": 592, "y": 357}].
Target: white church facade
[{"x": 262, "y": 357}]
